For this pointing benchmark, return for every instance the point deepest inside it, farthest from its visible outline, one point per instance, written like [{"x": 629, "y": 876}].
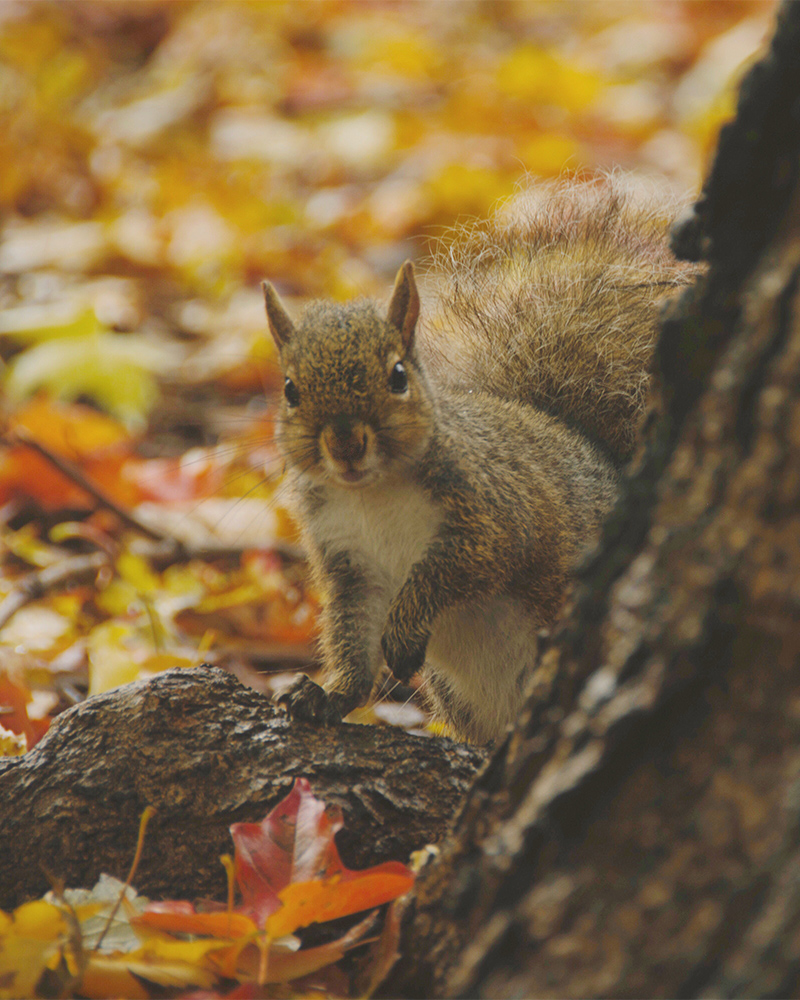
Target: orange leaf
[
  {"x": 306, "y": 903},
  {"x": 181, "y": 918},
  {"x": 14, "y": 698},
  {"x": 71, "y": 429},
  {"x": 97, "y": 444},
  {"x": 290, "y": 873}
]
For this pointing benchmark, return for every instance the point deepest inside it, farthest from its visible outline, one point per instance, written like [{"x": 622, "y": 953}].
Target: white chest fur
[{"x": 385, "y": 528}]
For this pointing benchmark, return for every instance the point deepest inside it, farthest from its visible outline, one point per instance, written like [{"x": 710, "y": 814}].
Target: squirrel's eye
[
  {"x": 398, "y": 380},
  {"x": 291, "y": 393}
]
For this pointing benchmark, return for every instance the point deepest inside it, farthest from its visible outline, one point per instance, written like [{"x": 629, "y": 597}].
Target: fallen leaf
[
  {"x": 93, "y": 907},
  {"x": 289, "y": 870},
  {"x": 287, "y": 964},
  {"x": 29, "y": 938},
  {"x": 14, "y": 699},
  {"x": 290, "y": 874},
  {"x": 116, "y": 371},
  {"x": 35, "y": 628},
  {"x": 12, "y": 744},
  {"x": 121, "y": 975},
  {"x": 179, "y": 917},
  {"x": 97, "y": 444},
  {"x": 312, "y": 902}
]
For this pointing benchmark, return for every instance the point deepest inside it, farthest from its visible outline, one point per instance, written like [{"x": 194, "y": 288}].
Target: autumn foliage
[{"x": 289, "y": 874}]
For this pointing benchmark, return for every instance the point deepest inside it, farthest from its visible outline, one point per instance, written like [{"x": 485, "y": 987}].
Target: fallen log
[{"x": 206, "y": 752}]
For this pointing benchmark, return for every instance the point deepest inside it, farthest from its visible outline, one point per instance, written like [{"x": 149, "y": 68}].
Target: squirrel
[{"x": 448, "y": 475}]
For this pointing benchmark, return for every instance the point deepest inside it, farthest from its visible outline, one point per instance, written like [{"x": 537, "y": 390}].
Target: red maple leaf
[{"x": 290, "y": 875}]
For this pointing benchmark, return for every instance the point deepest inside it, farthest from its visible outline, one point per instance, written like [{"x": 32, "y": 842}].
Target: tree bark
[
  {"x": 207, "y": 752},
  {"x": 636, "y": 835}
]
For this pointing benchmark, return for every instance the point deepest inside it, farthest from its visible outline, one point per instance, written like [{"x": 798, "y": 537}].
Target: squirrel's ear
[
  {"x": 404, "y": 305},
  {"x": 280, "y": 326}
]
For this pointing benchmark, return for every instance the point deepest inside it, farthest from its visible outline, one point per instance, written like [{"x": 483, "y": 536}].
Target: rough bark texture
[
  {"x": 637, "y": 833},
  {"x": 207, "y": 752}
]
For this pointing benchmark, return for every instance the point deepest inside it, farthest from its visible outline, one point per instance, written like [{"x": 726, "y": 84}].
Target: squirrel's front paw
[
  {"x": 404, "y": 654},
  {"x": 308, "y": 702}
]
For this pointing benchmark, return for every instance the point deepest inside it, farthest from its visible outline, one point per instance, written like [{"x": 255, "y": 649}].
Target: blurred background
[
  {"x": 210, "y": 144},
  {"x": 161, "y": 158}
]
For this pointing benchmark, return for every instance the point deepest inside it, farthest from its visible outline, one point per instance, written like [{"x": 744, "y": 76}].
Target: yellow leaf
[
  {"x": 26, "y": 544},
  {"x": 547, "y": 154},
  {"x": 244, "y": 594},
  {"x": 109, "y": 977},
  {"x": 136, "y": 571},
  {"x": 405, "y": 53},
  {"x": 158, "y": 662},
  {"x": 12, "y": 745},
  {"x": 28, "y": 939},
  {"x": 30, "y": 43},
  {"x": 111, "y": 663},
  {"x": 49, "y": 321},
  {"x": 164, "y": 949},
  {"x": 460, "y": 189},
  {"x": 117, "y": 598},
  {"x": 537, "y": 76},
  {"x": 163, "y": 961},
  {"x": 116, "y": 371}
]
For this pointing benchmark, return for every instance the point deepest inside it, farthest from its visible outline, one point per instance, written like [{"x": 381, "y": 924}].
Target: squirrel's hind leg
[
  {"x": 447, "y": 707},
  {"x": 479, "y": 658}
]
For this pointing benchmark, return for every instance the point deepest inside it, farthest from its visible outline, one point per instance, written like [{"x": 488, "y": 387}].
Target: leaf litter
[{"x": 110, "y": 941}]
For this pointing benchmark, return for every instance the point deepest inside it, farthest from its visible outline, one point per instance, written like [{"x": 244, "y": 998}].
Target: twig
[
  {"x": 227, "y": 864},
  {"x": 71, "y": 471},
  {"x": 171, "y": 550},
  {"x": 34, "y": 585},
  {"x": 146, "y": 816},
  {"x": 168, "y": 549}
]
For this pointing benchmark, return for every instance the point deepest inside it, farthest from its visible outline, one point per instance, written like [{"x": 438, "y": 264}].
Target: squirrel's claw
[
  {"x": 308, "y": 702},
  {"x": 403, "y": 656}
]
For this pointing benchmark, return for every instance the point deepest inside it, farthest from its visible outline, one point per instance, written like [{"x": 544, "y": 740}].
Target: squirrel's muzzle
[{"x": 345, "y": 439}]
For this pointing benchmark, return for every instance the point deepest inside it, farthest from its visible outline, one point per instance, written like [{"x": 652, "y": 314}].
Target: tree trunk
[
  {"x": 637, "y": 833},
  {"x": 207, "y": 752}
]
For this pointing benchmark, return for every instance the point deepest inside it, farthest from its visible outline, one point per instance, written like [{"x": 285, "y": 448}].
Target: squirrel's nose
[
  {"x": 342, "y": 425},
  {"x": 346, "y": 439}
]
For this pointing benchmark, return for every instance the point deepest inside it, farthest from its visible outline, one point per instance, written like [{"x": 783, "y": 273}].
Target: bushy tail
[{"x": 554, "y": 302}]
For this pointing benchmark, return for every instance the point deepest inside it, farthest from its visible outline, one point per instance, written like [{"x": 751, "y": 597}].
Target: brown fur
[
  {"x": 445, "y": 504},
  {"x": 554, "y": 302}
]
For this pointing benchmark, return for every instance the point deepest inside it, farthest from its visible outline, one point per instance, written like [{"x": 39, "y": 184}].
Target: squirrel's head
[{"x": 356, "y": 404}]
